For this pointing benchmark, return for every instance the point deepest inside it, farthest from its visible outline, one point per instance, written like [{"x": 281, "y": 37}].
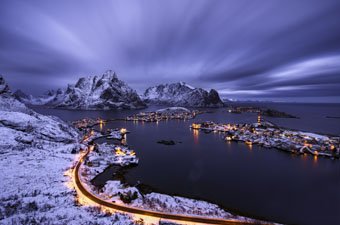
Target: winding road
[{"x": 187, "y": 218}]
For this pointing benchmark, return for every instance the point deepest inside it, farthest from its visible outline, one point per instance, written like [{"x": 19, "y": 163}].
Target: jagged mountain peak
[
  {"x": 182, "y": 94},
  {"x": 107, "y": 79},
  {"x": 110, "y": 74},
  {"x": 19, "y": 94},
  {"x": 176, "y": 86},
  {"x": 8, "y": 102},
  {"x": 103, "y": 91},
  {"x": 4, "y": 88},
  {"x": 51, "y": 92}
]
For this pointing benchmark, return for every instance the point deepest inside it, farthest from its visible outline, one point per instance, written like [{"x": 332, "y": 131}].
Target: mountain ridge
[
  {"x": 103, "y": 92},
  {"x": 181, "y": 94},
  {"x": 106, "y": 92}
]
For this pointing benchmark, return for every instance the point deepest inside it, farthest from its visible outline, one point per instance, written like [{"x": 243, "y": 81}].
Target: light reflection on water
[{"x": 195, "y": 133}]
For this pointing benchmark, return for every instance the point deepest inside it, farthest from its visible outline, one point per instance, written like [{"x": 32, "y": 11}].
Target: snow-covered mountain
[
  {"x": 28, "y": 99},
  {"x": 182, "y": 94},
  {"x": 90, "y": 93},
  {"x": 45, "y": 99},
  {"x": 4, "y": 89},
  {"x": 7, "y": 100}
]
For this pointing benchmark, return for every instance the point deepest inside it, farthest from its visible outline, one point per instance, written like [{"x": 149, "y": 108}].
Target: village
[
  {"x": 171, "y": 113},
  {"x": 86, "y": 123},
  {"x": 269, "y": 135}
]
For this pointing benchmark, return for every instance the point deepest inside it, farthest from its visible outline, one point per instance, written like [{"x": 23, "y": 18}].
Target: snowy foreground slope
[
  {"x": 90, "y": 93},
  {"x": 182, "y": 94},
  {"x": 35, "y": 152}
]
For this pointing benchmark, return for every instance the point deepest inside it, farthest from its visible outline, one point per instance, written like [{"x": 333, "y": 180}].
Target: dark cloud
[{"x": 245, "y": 49}]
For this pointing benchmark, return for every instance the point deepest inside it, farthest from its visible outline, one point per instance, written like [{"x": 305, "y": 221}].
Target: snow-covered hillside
[
  {"x": 35, "y": 153},
  {"x": 182, "y": 94},
  {"x": 91, "y": 93},
  {"x": 40, "y": 100},
  {"x": 173, "y": 110}
]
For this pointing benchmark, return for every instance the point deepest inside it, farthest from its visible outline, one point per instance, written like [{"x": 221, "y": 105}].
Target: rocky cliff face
[
  {"x": 91, "y": 93},
  {"x": 7, "y": 100},
  {"x": 41, "y": 100},
  {"x": 182, "y": 94},
  {"x": 4, "y": 89}
]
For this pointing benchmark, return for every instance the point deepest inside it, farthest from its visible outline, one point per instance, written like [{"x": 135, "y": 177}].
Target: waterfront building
[{"x": 259, "y": 119}]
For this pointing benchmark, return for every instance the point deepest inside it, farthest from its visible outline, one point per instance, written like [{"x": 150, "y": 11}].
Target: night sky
[{"x": 266, "y": 50}]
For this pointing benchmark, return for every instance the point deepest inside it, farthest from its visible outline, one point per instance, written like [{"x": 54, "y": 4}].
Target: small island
[
  {"x": 275, "y": 113},
  {"x": 166, "y": 142},
  {"x": 263, "y": 111},
  {"x": 333, "y": 117}
]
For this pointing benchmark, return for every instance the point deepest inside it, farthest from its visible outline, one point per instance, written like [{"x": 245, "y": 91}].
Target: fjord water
[{"x": 253, "y": 181}]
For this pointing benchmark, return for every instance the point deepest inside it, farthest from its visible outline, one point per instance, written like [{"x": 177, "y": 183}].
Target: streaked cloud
[{"x": 245, "y": 49}]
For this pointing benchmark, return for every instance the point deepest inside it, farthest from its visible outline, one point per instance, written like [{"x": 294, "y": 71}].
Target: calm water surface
[{"x": 254, "y": 181}]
